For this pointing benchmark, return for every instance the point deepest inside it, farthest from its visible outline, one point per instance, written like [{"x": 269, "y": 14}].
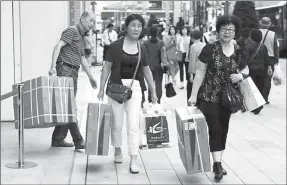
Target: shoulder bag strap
[
  {"x": 139, "y": 59},
  {"x": 259, "y": 47},
  {"x": 224, "y": 69}
]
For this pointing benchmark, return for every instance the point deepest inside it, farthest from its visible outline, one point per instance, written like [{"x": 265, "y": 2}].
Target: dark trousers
[
  {"x": 189, "y": 86},
  {"x": 181, "y": 71},
  {"x": 60, "y": 132},
  {"x": 157, "y": 77},
  {"x": 217, "y": 118},
  {"x": 104, "y": 52},
  {"x": 258, "y": 76},
  {"x": 267, "y": 85}
]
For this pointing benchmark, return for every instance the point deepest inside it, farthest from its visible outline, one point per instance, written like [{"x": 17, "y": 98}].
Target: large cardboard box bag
[
  {"x": 193, "y": 140},
  {"x": 47, "y": 101},
  {"x": 99, "y": 120}
]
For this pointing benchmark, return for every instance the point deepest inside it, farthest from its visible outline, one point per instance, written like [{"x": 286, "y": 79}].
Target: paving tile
[
  {"x": 243, "y": 168},
  {"x": 279, "y": 177},
  {"x": 6, "y": 177},
  {"x": 263, "y": 144},
  {"x": 101, "y": 170},
  {"x": 262, "y": 161},
  {"x": 23, "y": 178},
  {"x": 163, "y": 177},
  {"x": 55, "y": 180},
  {"x": 155, "y": 159},
  {"x": 124, "y": 175},
  {"x": 193, "y": 179},
  {"x": 79, "y": 169},
  {"x": 230, "y": 178}
]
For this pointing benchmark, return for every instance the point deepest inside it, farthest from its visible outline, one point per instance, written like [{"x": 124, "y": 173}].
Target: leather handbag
[
  {"x": 231, "y": 97},
  {"x": 121, "y": 93},
  {"x": 173, "y": 54},
  {"x": 169, "y": 89}
]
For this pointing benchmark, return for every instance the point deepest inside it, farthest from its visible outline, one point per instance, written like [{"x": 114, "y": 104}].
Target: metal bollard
[{"x": 20, "y": 164}]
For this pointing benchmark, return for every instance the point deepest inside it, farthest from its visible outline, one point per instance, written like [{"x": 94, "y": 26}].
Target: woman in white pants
[{"x": 121, "y": 62}]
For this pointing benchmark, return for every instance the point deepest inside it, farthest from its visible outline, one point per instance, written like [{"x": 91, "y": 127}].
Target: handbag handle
[{"x": 139, "y": 58}]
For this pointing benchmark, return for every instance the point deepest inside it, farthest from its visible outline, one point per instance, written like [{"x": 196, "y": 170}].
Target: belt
[{"x": 68, "y": 65}]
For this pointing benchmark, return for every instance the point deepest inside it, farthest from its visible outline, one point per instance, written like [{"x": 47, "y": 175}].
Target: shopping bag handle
[{"x": 197, "y": 141}]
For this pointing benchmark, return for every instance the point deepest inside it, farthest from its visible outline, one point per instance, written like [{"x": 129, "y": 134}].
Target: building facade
[{"x": 29, "y": 32}]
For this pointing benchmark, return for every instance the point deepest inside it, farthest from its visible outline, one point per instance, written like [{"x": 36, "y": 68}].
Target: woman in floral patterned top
[{"x": 207, "y": 86}]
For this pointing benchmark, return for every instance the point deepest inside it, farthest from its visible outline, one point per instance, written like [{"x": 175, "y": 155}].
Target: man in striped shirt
[{"x": 67, "y": 57}]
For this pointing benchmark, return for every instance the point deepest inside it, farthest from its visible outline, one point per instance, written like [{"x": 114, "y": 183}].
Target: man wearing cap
[{"x": 272, "y": 45}]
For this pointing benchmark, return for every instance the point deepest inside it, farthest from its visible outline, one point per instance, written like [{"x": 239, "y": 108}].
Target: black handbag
[
  {"x": 121, "y": 93},
  {"x": 231, "y": 97},
  {"x": 169, "y": 90}
]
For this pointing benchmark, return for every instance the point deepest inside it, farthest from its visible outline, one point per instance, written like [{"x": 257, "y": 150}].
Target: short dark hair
[
  {"x": 110, "y": 25},
  {"x": 184, "y": 27},
  {"x": 196, "y": 34},
  {"x": 256, "y": 35},
  {"x": 245, "y": 32},
  {"x": 170, "y": 29},
  {"x": 154, "y": 31},
  {"x": 132, "y": 17},
  {"x": 228, "y": 19},
  {"x": 138, "y": 17}
]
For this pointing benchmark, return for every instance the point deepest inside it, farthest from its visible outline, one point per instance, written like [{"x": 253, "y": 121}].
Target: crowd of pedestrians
[{"x": 205, "y": 62}]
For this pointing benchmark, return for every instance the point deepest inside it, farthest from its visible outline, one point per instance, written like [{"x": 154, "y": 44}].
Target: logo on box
[
  {"x": 155, "y": 129},
  {"x": 190, "y": 125}
]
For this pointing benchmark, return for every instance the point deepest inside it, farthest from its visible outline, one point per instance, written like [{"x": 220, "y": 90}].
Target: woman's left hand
[
  {"x": 154, "y": 98},
  {"x": 236, "y": 77}
]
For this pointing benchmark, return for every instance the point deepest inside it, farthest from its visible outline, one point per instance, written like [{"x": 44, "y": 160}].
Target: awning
[{"x": 282, "y": 3}]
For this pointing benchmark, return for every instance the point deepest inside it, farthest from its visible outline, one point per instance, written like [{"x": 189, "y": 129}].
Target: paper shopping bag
[
  {"x": 154, "y": 131},
  {"x": 99, "y": 120},
  {"x": 252, "y": 98}
]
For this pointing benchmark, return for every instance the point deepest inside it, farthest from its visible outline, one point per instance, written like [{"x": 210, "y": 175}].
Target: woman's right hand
[
  {"x": 101, "y": 95},
  {"x": 191, "y": 101}
]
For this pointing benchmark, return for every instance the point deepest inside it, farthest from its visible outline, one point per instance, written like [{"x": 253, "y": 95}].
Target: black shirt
[
  {"x": 124, "y": 64},
  {"x": 213, "y": 56}
]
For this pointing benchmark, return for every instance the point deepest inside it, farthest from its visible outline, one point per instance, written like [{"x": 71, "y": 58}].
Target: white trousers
[{"x": 132, "y": 109}]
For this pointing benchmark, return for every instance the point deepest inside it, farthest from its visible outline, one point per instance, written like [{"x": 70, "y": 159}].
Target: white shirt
[
  {"x": 109, "y": 37},
  {"x": 269, "y": 41},
  {"x": 184, "y": 44}
]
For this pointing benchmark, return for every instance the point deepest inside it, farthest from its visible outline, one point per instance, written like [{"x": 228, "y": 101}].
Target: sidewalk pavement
[{"x": 255, "y": 153}]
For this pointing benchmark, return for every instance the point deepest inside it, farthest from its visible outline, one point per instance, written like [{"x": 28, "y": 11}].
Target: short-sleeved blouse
[
  {"x": 124, "y": 64},
  {"x": 212, "y": 55}
]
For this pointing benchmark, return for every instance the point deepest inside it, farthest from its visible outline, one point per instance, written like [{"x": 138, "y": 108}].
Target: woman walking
[
  {"x": 121, "y": 63},
  {"x": 171, "y": 45},
  {"x": 184, "y": 48},
  {"x": 208, "y": 85}
]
